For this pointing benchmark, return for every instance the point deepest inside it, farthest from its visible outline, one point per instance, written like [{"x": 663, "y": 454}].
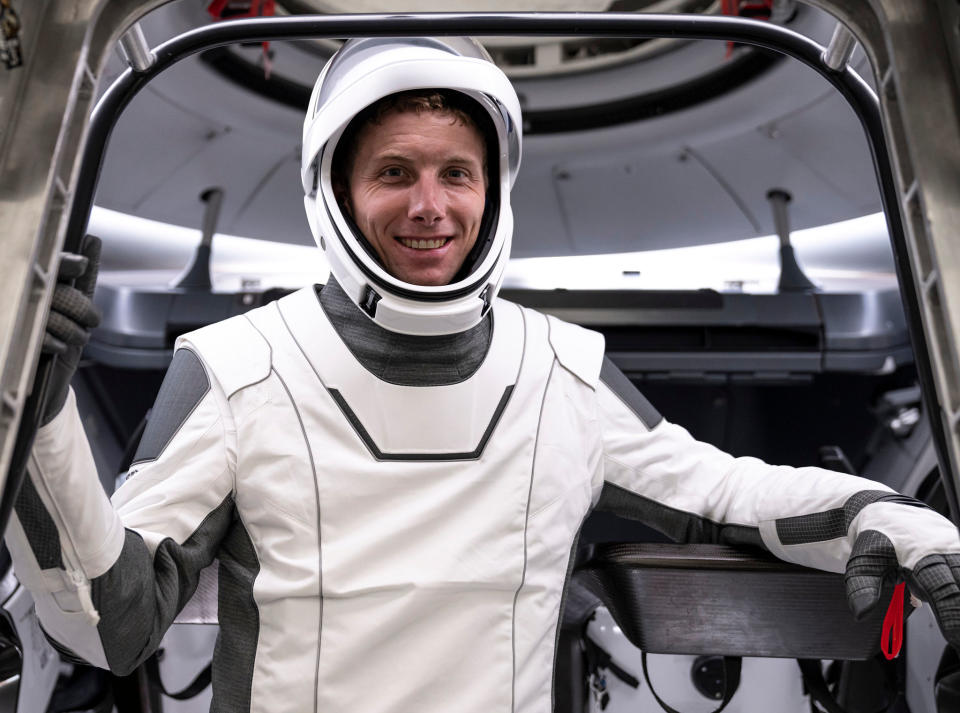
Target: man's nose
[{"x": 427, "y": 203}]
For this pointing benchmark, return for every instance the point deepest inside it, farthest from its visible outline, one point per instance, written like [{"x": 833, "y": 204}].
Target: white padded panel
[
  {"x": 579, "y": 350},
  {"x": 217, "y": 345}
]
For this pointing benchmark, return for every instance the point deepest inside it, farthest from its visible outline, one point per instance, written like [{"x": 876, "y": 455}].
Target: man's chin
[
  {"x": 424, "y": 275},
  {"x": 422, "y": 280}
]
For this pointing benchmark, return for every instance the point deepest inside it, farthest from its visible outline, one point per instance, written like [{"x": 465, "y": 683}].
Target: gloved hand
[
  {"x": 72, "y": 316},
  {"x": 907, "y": 541}
]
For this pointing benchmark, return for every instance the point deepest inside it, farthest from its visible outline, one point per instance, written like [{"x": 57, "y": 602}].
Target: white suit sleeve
[
  {"x": 108, "y": 579},
  {"x": 657, "y": 472}
]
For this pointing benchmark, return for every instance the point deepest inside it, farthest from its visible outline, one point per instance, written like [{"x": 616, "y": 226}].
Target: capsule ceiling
[{"x": 644, "y": 146}]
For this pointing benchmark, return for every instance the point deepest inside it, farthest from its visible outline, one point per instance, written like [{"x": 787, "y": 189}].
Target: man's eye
[
  {"x": 457, "y": 173},
  {"x": 392, "y": 172}
]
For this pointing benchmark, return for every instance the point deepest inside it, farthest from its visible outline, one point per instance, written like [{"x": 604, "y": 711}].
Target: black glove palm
[
  {"x": 935, "y": 578},
  {"x": 72, "y": 316}
]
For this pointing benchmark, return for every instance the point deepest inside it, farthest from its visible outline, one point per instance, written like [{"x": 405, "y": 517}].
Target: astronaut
[{"x": 391, "y": 470}]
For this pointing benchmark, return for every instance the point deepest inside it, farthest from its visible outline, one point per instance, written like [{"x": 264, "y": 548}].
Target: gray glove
[
  {"x": 935, "y": 578},
  {"x": 72, "y": 316}
]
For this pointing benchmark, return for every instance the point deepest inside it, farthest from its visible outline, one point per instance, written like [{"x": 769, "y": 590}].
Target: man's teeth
[{"x": 423, "y": 244}]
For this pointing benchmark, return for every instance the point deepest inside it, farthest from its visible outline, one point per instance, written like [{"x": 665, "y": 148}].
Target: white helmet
[{"x": 362, "y": 72}]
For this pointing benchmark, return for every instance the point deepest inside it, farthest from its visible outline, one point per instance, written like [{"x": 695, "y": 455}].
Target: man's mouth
[{"x": 423, "y": 243}]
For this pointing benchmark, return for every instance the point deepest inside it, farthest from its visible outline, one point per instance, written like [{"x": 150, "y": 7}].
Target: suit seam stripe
[
  {"x": 526, "y": 519},
  {"x": 300, "y": 346},
  {"x": 316, "y": 490}
]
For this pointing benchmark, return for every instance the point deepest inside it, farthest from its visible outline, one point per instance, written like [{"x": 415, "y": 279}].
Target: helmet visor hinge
[
  {"x": 315, "y": 169},
  {"x": 368, "y": 302},
  {"x": 485, "y": 296}
]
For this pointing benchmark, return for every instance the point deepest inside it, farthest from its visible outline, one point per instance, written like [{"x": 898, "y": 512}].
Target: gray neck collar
[{"x": 405, "y": 359}]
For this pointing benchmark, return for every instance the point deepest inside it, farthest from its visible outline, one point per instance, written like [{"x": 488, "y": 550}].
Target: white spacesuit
[{"x": 392, "y": 478}]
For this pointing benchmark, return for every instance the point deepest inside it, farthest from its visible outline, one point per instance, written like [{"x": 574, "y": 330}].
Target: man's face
[{"x": 416, "y": 191}]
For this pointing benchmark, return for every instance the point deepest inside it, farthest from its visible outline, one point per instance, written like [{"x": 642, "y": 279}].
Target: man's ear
[{"x": 342, "y": 195}]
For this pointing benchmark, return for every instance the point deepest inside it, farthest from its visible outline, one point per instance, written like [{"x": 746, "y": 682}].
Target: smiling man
[
  {"x": 414, "y": 181},
  {"x": 392, "y": 469}
]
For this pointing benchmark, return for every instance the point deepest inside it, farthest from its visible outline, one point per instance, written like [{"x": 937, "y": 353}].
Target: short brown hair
[{"x": 457, "y": 105}]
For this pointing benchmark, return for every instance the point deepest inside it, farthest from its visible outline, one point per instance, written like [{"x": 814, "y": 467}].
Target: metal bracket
[
  {"x": 136, "y": 51},
  {"x": 837, "y": 54}
]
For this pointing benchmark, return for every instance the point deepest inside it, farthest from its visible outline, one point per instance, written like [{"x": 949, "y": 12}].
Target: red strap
[
  {"x": 234, "y": 9},
  {"x": 891, "y": 638}
]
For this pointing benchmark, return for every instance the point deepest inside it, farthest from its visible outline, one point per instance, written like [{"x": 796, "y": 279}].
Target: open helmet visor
[{"x": 359, "y": 75}]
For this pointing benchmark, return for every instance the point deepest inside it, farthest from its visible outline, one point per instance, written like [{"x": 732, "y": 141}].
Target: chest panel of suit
[{"x": 422, "y": 495}]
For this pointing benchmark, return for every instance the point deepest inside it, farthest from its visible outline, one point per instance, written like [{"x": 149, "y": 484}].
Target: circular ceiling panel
[
  {"x": 564, "y": 83},
  {"x": 523, "y": 57}
]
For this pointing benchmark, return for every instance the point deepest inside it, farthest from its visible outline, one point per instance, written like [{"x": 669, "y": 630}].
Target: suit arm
[
  {"x": 656, "y": 471},
  {"x": 109, "y": 578}
]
